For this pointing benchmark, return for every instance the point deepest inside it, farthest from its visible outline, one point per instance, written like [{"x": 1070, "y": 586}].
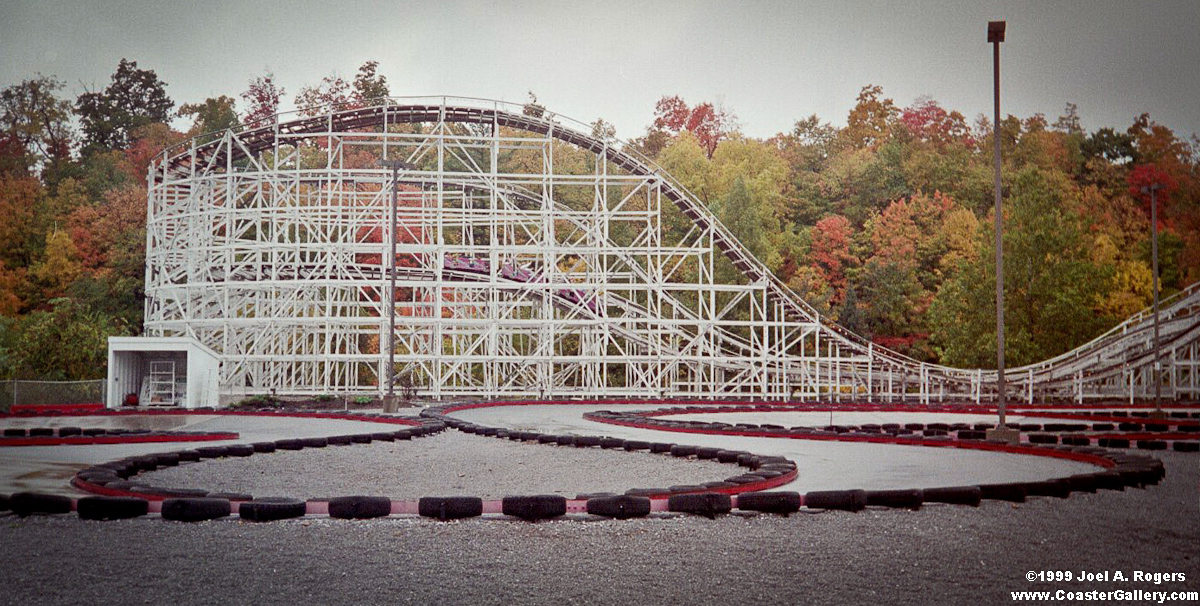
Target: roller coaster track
[{"x": 794, "y": 351}]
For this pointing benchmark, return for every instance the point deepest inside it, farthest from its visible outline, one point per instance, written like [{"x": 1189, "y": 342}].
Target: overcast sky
[{"x": 771, "y": 63}]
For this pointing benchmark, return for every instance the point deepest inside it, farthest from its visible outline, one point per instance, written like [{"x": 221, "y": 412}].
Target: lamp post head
[
  {"x": 396, "y": 164},
  {"x": 1153, "y": 187},
  {"x": 995, "y": 31}
]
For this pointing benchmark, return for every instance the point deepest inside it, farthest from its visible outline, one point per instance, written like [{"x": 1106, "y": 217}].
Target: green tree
[
  {"x": 215, "y": 114},
  {"x": 1051, "y": 284},
  {"x": 134, "y": 98},
  {"x": 67, "y": 342}
]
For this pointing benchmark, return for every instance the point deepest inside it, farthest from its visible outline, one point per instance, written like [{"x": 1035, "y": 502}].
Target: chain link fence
[{"x": 50, "y": 393}]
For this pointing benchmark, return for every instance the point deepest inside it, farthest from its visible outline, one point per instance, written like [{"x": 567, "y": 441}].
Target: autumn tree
[
  {"x": 708, "y": 123},
  {"x": 870, "y": 121},
  {"x": 134, "y": 98},
  {"x": 262, "y": 98},
  {"x": 35, "y": 125},
  {"x": 831, "y": 255}
]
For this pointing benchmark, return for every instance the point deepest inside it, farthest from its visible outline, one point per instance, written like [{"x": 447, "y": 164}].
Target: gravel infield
[{"x": 444, "y": 464}]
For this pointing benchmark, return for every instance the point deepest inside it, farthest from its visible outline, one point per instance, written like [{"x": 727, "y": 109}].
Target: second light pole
[{"x": 389, "y": 401}]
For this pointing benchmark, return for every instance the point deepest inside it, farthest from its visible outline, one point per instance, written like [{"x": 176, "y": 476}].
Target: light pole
[
  {"x": 1152, "y": 189},
  {"x": 389, "y": 401},
  {"x": 995, "y": 35}
]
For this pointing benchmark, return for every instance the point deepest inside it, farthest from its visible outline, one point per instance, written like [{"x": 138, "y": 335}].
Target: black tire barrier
[
  {"x": 707, "y": 452},
  {"x": 1057, "y": 488},
  {"x": 211, "y": 452},
  {"x": 1114, "y": 442},
  {"x": 914, "y": 426},
  {"x": 146, "y": 463},
  {"x": 195, "y": 509},
  {"x": 1102, "y": 426},
  {"x": 972, "y": 434},
  {"x": 1151, "y": 445},
  {"x": 1082, "y": 482},
  {"x": 587, "y": 441},
  {"x": 1042, "y": 438},
  {"x": 749, "y": 461},
  {"x": 383, "y": 437},
  {"x": 682, "y": 450},
  {"x": 744, "y": 478},
  {"x": 167, "y": 459},
  {"x": 1076, "y": 440},
  {"x": 4, "y": 503},
  {"x": 719, "y": 484},
  {"x": 339, "y": 440},
  {"x": 646, "y": 492},
  {"x": 843, "y": 500},
  {"x": 270, "y": 509},
  {"x": 263, "y": 447},
  {"x": 14, "y": 433},
  {"x": 565, "y": 440},
  {"x": 239, "y": 450},
  {"x": 728, "y": 456},
  {"x": 1186, "y": 446},
  {"x": 682, "y": 488},
  {"x": 450, "y": 508},
  {"x": 707, "y": 504},
  {"x": 289, "y": 444},
  {"x": 359, "y": 507},
  {"x": 1149, "y": 427},
  {"x": 911, "y": 498},
  {"x": 403, "y": 434},
  {"x": 93, "y": 431},
  {"x": 1129, "y": 426},
  {"x": 1013, "y": 492},
  {"x": 632, "y": 445},
  {"x": 535, "y": 507},
  {"x": 953, "y": 495},
  {"x": 111, "y": 508},
  {"x": 67, "y": 432},
  {"x": 188, "y": 455},
  {"x": 659, "y": 447},
  {"x": 40, "y": 432},
  {"x": 783, "y": 503},
  {"x": 545, "y": 438},
  {"x": 28, "y": 503},
  {"x": 621, "y": 507},
  {"x": 314, "y": 442},
  {"x": 612, "y": 443}
]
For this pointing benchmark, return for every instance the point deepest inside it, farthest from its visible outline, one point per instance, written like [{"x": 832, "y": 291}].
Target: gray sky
[{"x": 771, "y": 63}]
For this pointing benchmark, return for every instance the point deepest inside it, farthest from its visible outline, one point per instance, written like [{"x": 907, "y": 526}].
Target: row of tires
[
  {"x": 1129, "y": 471},
  {"x": 925, "y": 431},
  {"x": 762, "y": 469},
  {"x": 866, "y": 407},
  {"x": 69, "y": 432},
  {"x": 119, "y": 478}
]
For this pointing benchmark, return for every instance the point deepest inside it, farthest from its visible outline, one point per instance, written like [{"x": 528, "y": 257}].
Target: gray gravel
[
  {"x": 941, "y": 554},
  {"x": 447, "y": 463}
]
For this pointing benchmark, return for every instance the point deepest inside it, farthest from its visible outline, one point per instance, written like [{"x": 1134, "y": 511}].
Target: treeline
[{"x": 884, "y": 225}]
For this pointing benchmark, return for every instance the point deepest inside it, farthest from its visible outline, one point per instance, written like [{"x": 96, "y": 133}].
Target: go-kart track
[{"x": 907, "y": 502}]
